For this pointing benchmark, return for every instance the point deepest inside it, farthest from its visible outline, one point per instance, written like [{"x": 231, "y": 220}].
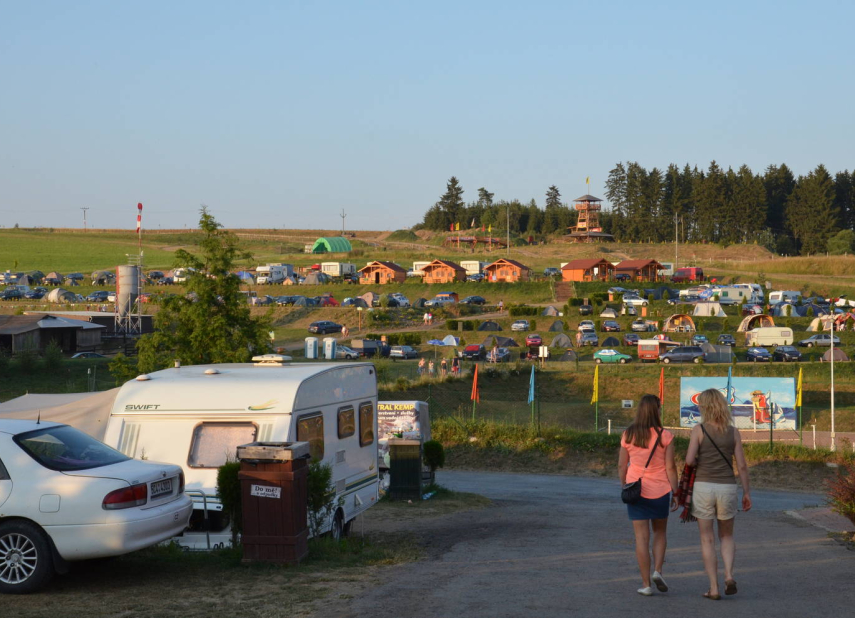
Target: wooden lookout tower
[{"x": 587, "y": 228}]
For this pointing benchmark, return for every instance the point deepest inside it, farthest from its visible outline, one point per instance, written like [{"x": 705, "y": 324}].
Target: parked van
[
  {"x": 769, "y": 335},
  {"x": 688, "y": 274},
  {"x": 783, "y": 296},
  {"x": 338, "y": 269},
  {"x": 273, "y": 273},
  {"x": 197, "y": 416},
  {"x": 650, "y": 349}
]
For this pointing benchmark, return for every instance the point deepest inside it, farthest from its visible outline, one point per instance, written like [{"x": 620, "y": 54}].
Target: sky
[{"x": 281, "y": 114}]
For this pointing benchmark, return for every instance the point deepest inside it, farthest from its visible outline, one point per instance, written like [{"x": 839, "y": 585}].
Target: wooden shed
[
  {"x": 379, "y": 273},
  {"x": 640, "y": 270},
  {"x": 443, "y": 271},
  {"x": 507, "y": 270},
  {"x": 587, "y": 270}
]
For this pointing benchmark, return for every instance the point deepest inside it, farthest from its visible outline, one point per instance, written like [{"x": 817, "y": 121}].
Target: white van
[
  {"x": 197, "y": 416},
  {"x": 769, "y": 335},
  {"x": 270, "y": 274},
  {"x": 782, "y": 296}
]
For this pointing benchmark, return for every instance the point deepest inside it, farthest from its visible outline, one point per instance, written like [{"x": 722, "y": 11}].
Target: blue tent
[
  {"x": 451, "y": 340},
  {"x": 245, "y": 276}
]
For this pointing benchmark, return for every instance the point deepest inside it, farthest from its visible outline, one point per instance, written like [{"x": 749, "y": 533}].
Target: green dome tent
[{"x": 334, "y": 244}]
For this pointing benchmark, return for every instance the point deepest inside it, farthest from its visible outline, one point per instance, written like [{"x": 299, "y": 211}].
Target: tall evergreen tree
[
  {"x": 811, "y": 213},
  {"x": 451, "y": 203},
  {"x": 485, "y": 198},
  {"x": 709, "y": 203},
  {"x": 779, "y": 183},
  {"x": 616, "y": 195},
  {"x": 844, "y": 198}
]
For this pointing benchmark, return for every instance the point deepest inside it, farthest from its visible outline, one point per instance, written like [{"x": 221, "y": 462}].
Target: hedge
[
  {"x": 453, "y": 324},
  {"x": 407, "y": 338},
  {"x": 522, "y": 310}
]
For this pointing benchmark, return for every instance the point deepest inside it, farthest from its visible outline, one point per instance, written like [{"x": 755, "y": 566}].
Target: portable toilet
[
  {"x": 311, "y": 347},
  {"x": 329, "y": 348}
]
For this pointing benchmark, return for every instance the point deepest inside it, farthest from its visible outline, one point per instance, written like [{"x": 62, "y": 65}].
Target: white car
[
  {"x": 520, "y": 325},
  {"x": 440, "y": 301},
  {"x": 585, "y": 325},
  {"x": 342, "y": 351},
  {"x": 111, "y": 297},
  {"x": 634, "y": 301},
  {"x": 65, "y": 496},
  {"x": 403, "y": 301}
]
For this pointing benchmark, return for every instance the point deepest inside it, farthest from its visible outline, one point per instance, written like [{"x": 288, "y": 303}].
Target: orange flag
[
  {"x": 662, "y": 388},
  {"x": 476, "y": 394}
]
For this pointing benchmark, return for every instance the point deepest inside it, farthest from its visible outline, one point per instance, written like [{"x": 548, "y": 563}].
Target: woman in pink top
[{"x": 658, "y": 482}]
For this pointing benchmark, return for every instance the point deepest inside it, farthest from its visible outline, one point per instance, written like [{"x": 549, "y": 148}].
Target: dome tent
[
  {"x": 331, "y": 244},
  {"x": 609, "y": 313},
  {"x": 568, "y": 356},
  {"x": 59, "y": 295},
  {"x": 549, "y": 311},
  {"x": 557, "y": 327},
  {"x": 561, "y": 341},
  {"x": 610, "y": 342},
  {"x": 679, "y": 322},
  {"x": 502, "y": 342},
  {"x": 489, "y": 325},
  {"x": 839, "y": 356},
  {"x": 761, "y": 320}
]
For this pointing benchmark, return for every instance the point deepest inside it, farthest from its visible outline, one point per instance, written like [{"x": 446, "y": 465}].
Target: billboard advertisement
[
  {"x": 756, "y": 403},
  {"x": 400, "y": 419}
]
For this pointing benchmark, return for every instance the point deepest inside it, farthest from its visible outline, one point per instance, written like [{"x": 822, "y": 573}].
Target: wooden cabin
[
  {"x": 640, "y": 270},
  {"x": 443, "y": 271},
  {"x": 507, "y": 270},
  {"x": 592, "y": 269},
  {"x": 380, "y": 273}
]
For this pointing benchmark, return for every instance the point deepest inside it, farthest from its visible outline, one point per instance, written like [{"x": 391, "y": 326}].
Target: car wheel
[
  {"x": 598, "y": 361},
  {"x": 623, "y": 361},
  {"x": 697, "y": 360},
  {"x": 666, "y": 360},
  {"x": 26, "y": 563}
]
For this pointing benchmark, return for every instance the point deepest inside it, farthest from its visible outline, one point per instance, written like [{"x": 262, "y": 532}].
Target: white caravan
[
  {"x": 272, "y": 273},
  {"x": 338, "y": 269},
  {"x": 196, "y": 416},
  {"x": 783, "y": 296}
]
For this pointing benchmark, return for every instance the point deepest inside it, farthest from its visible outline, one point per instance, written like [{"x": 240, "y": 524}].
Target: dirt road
[{"x": 561, "y": 546}]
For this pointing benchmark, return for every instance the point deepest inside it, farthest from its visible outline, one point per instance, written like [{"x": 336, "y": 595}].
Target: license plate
[{"x": 161, "y": 488}]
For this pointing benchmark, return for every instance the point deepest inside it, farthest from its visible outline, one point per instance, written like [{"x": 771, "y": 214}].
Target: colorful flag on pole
[
  {"x": 139, "y": 217},
  {"x": 473, "y": 222},
  {"x": 799, "y": 390},
  {"x": 490, "y": 228},
  {"x": 531, "y": 386},
  {"x": 662, "y": 387},
  {"x": 596, "y": 396},
  {"x": 588, "y": 180},
  {"x": 450, "y": 227},
  {"x": 457, "y": 226},
  {"x": 729, "y": 386},
  {"x": 476, "y": 394}
]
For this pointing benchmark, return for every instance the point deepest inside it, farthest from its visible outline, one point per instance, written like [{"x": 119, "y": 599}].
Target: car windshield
[{"x": 65, "y": 449}]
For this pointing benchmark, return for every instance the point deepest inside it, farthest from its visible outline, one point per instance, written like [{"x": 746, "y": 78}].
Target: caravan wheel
[{"x": 337, "y": 527}]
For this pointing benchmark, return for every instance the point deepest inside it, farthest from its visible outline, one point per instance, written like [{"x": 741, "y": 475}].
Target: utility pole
[
  {"x": 676, "y": 241},
  {"x": 343, "y": 216},
  {"x": 509, "y": 229},
  {"x": 84, "y": 209},
  {"x": 833, "y": 436}
]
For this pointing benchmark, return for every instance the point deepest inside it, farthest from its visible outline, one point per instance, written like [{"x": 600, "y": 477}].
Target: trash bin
[
  {"x": 405, "y": 469},
  {"x": 274, "y": 501}
]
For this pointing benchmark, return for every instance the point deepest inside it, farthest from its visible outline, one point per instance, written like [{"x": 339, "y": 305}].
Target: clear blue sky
[{"x": 282, "y": 113}]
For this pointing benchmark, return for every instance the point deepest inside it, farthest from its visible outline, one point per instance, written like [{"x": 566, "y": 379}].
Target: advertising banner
[
  {"x": 756, "y": 403},
  {"x": 400, "y": 419}
]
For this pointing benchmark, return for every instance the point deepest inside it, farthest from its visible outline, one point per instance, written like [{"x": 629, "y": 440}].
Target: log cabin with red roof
[
  {"x": 506, "y": 270},
  {"x": 380, "y": 273},
  {"x": 443, "y": 271},
  {"x": 592, "y": 269},
  {"x": 640, "y": 270}
]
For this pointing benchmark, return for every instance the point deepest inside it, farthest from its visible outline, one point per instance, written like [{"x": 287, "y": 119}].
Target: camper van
[
  {"x": 688, "y": 274},
  {"x": 783, "y": 296},
  {"x": 273, "y": 273},
  {"x": 338, "y": 269},
  {"x": 769, "y": 335},
  {"x": 197, "y": 416}
]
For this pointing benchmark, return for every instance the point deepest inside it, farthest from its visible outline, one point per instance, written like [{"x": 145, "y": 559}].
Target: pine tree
[
  {"x": 451, "y": 202},
  {"x": 811, "y": 213},
  {"x": 844, "y": 198},
  {"x": 616, "y": 195},
  {"x": 485, "y": 198},
  {"x": 710, "y": 195},
  {"x": 779, "y": 183}
]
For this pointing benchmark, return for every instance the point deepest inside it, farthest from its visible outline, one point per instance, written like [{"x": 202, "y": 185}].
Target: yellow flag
[
  {"x": 799, "y": 390},
  {"x": 457, "y": 227},
  {"x": 596, "y": 396},
  {"x": 490, "y": 228},
  {"x": 587, "y": 180}
]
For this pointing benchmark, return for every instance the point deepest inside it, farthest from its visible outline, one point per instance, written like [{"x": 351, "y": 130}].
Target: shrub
[
  {"x": 434, "y": 455},
  {"x": 53, "y": 357},
  {"x": 322, "y": 502},
  {"x": 228, "y": 490},
  {"x": 4, "y": 361},
  {"x": 841, "y": 492},
  {"x": 522, "y": 310},
  {"x": 575, "y": 302},
  {"x": 123, "y": 368},
  {"x": 26, "y": 360},
  {"x": 533, "y": 324}
]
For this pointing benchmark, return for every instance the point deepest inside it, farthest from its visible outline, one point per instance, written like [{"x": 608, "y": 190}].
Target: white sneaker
[
  {"x": 647, "y": 592},
  {"x": 661, "y": 586}
]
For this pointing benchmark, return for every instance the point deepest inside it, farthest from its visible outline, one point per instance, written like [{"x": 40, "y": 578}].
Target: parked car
[
  {"x": 551, "y": 271},
  {"x": 639, "y": 326},
  {"x": 98, "y": 296},
  {"x": 823, "y": 339},
  {"x": 629, "y": 310},
  {"x": 165, "y": 281},
  {"x": 324, "y": 327},
  {"x": 111, "y": 504},
  {"x": 474, "y": 300},
  {"x": 499, "y": 355},
  {"x": 622, "y": 277},
  {"x": 586, "y": 325},
  {"x": 786, "y": 353},
  {"x": 698, "y": 339},
  {"x": 474, "y": 351},
  {"x": 630, "y": 339},
  {"x": 617, "y": 290},
  {"x": 761, "y": 355},
  {"x": 586, "y": 310},
  {"x": 726, "y": 339},
  {"x": 590, "y": 338},
  {"x": 533, "y": 340},
  {"x": 11, "y": 294},
  {"x": 285, "y": 301},
  {"x": 88, "y": 355},
  {"x": 611, "y": 356},
  {"x": 439, "y": 301},
  {"x": 403, "y": 351},
  {"x": 476, "y": 277},
  {"x": 402, "y": 300},
  {"x": 610, "y": 326},
  {"x": 682, "y": 354},
  {"x": 342, "y": 351},
  {"x": 636, "y": 301},
  {"x": 520, "y": 326},
  {"x": 35, "y": 294}
]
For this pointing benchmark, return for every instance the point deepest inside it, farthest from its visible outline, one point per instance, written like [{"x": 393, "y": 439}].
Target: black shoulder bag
[
  {"x": 723, "y": 456},
  {"x": 631, "y": 492}
]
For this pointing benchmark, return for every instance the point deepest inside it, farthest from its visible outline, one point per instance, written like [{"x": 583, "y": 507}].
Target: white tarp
[{"x": 87, "y": 412}]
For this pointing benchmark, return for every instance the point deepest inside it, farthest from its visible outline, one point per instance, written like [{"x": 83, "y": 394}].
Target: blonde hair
[
  {"x": 646, "y": 418},
  {"x": 714, "y": 409}
]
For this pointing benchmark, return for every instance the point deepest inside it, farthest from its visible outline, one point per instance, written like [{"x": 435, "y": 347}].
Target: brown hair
[
  {"x": 646, "y": 418},
  {"x": 714, "y": 409}
]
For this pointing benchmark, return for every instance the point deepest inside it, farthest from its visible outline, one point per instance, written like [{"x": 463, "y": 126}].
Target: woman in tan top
[{"x": 712, "y": 448}]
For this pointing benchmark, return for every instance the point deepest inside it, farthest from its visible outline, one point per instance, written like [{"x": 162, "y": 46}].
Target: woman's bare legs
[
  {"x": 641, "y": 528},
  {"x": 660, "y": 542},
  {"x": 707, "y": 530},
  {"x": 728, "y": 546}
]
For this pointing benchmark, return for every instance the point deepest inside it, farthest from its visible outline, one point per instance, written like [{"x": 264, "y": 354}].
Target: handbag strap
[
  {"x": 723, "y": 456},
  {"x": 653, "y": 450}
]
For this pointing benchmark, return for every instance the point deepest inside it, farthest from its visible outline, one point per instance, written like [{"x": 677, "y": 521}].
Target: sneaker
[
  {"x": 647, "y": 592},
  {"x": 661, "y": 586}
]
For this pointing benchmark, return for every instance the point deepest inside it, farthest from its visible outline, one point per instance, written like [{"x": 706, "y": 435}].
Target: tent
[
  {"x": 550, "y": 311},
  {"x": 717, "y": 353},
  {"x": 420, "y": 303},
  {"x": 72, "y": 283},
  {"x": 839, "y": 355},
  {"x": 355, "y": 302},
  {"x": 25, "y": 280},
  {"x": 557, "y": 326},
  {"x": 87, "y": 412},
  {"x": 610, "y": 342},
  {"x": 709, "y": 309},
  {"x": 58, "y": 295},
  {"x": 490, "y": 325},
  {"x": 245, "y": 276},
  {"x": 300, "y": 301},
  {"x": 54, "y": 278},
  {"x": 561, "y": 341},
  {"x": 370, "y": 298},
  {"x": 609, "y": 313},
  {"x": 498, "y": 340},
  {"x": 100, "y": 277},
  {"x": 75, "y": 276},
  {"x": 755, "y": 321},
  {"x": 316, "y": 278},
  {"x": 568, "y": 356},
  {"x": 331, "y": 244},
  {"x": 290, "y": 280},
  {"x": 451, "y": 340},
  {"x": 679, "y": 323},
  {"x": 821, "y": 323},
  {"x": 784, "y": 309},
  {"x": 816, "y": 309}
]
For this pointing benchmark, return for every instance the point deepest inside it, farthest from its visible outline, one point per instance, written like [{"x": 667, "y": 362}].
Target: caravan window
[
  {"x": 215, "y": 443},
  {"x": 366, "y": 424},
  {"x": 346, "y": 422},
  {"x": 311, "y": 429}
]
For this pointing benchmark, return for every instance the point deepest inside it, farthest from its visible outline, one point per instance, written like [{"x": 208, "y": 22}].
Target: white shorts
[{"x": 714, "y": 500}]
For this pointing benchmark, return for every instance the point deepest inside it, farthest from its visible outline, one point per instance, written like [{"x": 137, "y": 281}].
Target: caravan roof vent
[
  {"x": 143, "y": 378},
  {"x": 211, "y": 372},
  {"x": 270, "y": 360}
]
